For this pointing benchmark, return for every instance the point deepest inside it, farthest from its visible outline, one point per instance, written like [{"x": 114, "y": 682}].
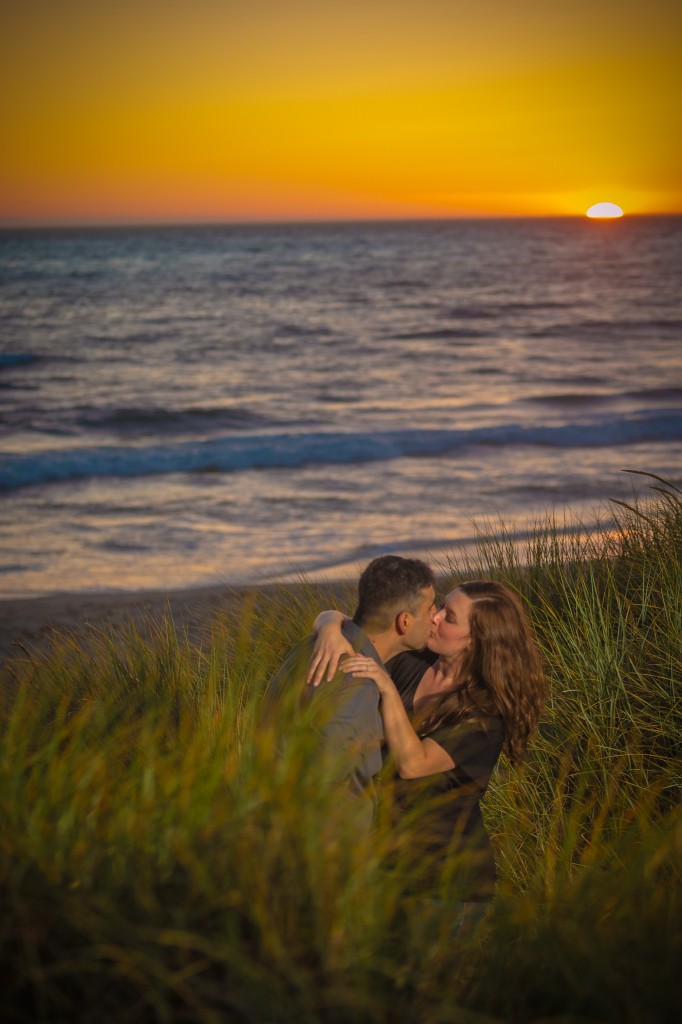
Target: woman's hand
[
  {"x": 367, "y": 668},
  {"x": 330, "y": 646},
  {"x": 414, "y": 757}
]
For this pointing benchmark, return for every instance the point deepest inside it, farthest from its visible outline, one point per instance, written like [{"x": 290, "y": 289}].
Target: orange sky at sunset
[{"x": 264, "y": 110}]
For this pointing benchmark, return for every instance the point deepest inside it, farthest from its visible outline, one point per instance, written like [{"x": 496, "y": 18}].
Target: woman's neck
[
  {"x": 442, "y": 677},
  {"x": 447, "y": 670}
]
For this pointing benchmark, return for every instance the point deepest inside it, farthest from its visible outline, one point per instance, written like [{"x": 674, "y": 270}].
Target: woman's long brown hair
[{"x": 501, "y": 672}]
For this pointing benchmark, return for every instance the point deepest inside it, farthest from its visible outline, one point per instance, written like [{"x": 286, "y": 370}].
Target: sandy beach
[
  {"x": 32, "y": 622},
  {"x": 27, "y": 624}
]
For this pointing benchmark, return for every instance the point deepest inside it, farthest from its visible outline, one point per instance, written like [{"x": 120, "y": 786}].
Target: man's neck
[{"x": 386, "y": 644}]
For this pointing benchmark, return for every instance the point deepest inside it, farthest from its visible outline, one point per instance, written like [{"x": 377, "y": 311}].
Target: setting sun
[
  {"x": 603, "y": 210},
  {"x": 364, "y": 110}
]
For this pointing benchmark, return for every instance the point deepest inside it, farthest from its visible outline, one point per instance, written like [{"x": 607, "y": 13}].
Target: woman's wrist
[{"x": 387, "y": 687}]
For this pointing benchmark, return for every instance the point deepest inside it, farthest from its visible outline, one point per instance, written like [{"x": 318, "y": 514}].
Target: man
[{"x": 396, "y": 603}]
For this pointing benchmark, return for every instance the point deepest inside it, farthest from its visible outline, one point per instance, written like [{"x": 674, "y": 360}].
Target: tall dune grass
[{"x": 162, "y": 859}]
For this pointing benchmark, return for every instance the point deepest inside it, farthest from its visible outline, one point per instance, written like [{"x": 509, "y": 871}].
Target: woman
[{"x": 448, "y": 713}]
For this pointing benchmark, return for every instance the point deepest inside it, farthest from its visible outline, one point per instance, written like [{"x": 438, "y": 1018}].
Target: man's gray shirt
[{"x": 353, "y": 730}]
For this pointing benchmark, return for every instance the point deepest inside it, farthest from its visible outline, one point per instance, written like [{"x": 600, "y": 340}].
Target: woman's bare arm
[
  {"x": 414, "y": 757},
  {"x": 330, "y": 646}
]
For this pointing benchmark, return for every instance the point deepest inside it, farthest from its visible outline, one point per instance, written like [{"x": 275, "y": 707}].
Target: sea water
[{"x": 192, "y": 405}]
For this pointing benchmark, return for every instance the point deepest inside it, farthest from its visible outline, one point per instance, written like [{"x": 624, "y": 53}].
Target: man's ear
[{"x": 403, "y": 621}]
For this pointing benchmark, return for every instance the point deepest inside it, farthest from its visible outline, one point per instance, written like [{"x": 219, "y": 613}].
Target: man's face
[{"x": 422, "y": 618}]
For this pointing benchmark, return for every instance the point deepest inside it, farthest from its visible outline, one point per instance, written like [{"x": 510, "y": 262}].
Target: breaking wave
[{"x": 230, "y": 453}]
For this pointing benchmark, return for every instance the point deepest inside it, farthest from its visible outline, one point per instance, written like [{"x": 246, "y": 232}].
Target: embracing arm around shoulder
[
  {"x": 414, "y": 757},
  {"x": 330, "y": 646}
]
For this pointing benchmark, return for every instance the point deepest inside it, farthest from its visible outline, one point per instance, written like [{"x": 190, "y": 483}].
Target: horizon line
[{"x": 94, "y": 225}]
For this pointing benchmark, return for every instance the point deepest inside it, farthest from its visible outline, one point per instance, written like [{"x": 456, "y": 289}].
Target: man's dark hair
[{"x": 389, "y": 585}]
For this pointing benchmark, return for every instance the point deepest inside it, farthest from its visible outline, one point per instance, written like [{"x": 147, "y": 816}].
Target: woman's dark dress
[{"x": 446, "y": 805}]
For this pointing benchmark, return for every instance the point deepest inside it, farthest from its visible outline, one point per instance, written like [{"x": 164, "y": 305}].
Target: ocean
[{"x": 191, "y": 405}]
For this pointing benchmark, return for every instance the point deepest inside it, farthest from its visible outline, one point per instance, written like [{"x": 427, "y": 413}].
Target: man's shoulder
[
  {"x": 296, "y": 661},
  {"x": 287, "y": 689},
  {"x": 359, "y": 639},
  {"x": 353, "y": 633},
  {"x": 287, "y": 685}
]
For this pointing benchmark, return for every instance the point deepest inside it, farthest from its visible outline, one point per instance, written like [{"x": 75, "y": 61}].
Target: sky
[{"x": 258, "y": 110}]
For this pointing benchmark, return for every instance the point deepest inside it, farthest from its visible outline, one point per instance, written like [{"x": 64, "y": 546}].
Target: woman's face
[{"x": 450, "y": 631}]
